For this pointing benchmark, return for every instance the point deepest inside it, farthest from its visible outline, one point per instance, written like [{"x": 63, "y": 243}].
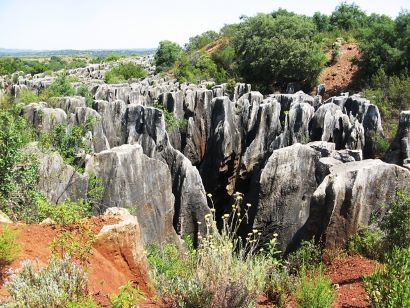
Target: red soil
[
  {"x": 347, "y": 275},
  {"x": 107, "y": 268},
  {"x": 339, "y": 76}
]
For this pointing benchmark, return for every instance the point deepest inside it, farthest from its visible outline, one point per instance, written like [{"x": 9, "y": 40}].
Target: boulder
[
  {"x": 112, "y": 120},
  {"x": 69, "y": 103},
  {"x": 223, "y": 149},
  {"x": 43, "y": 118},
  {"x": 399, "y": 150},
  {"x": 349, "y": 195},
  {"x": 59, "y": 181},
  {"x": 96, "y": 137},
  {"x": 4, "y": 219},
  {"x": 286, "y": 185},
  {"x": 146, "y": 126},
  {"x": 133, "y": 180}
]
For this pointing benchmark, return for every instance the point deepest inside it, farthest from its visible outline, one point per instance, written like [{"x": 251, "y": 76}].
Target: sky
[{"x": 123, "y": 24}]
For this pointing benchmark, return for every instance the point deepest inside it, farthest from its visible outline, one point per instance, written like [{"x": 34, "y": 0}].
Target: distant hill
[{"x": 73, "y": 52}]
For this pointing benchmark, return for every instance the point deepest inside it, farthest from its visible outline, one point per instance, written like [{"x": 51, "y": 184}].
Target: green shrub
[
  {"x": 68, "y": 140},
  {"x": 9, "y": 247},
  {"x": 396, "y": 222},
  {"x": 27, "y": 96},
  {"x": 367, "y": 242},
  {"x": 391, "y": 287},
  {"x": 390, "y": 93},
  {"x": 384, "y": 45},
  {"x": 60, "y": 283},
  {"x": 393, "y": 230},
  {"x": 336, "y": 50},
  {"x": 308, "y": 256},
  {"x": 281, "y": 284},
  {"x": 380, "y": 145},
  {"x": 77, "y": 245},
  {"x": 347, "y": 17},
  {"x": 64, "y": 213},
  {"x": 224, "y": 56},
  {"x": 61, "y": 86},
  {"x": 95, "y": 193},
  {"x": 12, "y": 139},
  {"x": 315, "y": 290},
  {"x": 222, "y": 272},
  {"x": 171, "y": 121},
  {"x": 86, "y": 302},
  {"x": 127, "y": 298},
  {"x": 85, "y": 92},
  {"x": 199, "y": 41},
  {"x": 167, "y": 54},
  {"x": 198, "y": 67},
  {"x": 273, "y": 50},
  {"x": 113, "y": 57},
  {"x": 123, "y": 72}
]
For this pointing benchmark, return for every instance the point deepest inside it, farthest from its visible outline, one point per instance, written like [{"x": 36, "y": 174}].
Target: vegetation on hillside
[
  {"x": 272, "y": 50},
  {"x": 123, "y": 72}
]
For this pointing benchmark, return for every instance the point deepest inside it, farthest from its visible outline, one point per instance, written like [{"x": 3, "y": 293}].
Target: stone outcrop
[
  {"x": 43, "y": 118},
  {"x": 399, "y": 150},
  {"x": 59, "y": 181},
  {"x": 286, "y": 185},
  {"x": 133, "y": 180},
  {"x": 349, "y": 195},
  {"x": 146, "y": 126}
]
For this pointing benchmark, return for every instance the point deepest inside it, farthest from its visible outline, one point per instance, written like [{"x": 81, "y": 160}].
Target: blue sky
[{"x": 84, "y": 24}]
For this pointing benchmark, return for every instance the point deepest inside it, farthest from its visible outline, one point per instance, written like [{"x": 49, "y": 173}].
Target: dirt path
[{"x": 347, "y": 274}]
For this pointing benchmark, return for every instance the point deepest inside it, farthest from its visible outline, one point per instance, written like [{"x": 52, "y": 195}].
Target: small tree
[
  {"x": 274, "y": 50},
  {"x": 167, "y": 55}
]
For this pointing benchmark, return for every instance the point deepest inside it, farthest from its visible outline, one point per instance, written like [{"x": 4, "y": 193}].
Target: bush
[
  {"x": 27, "y": 96},
  {"x": 380, "y": 146},
  {"x": 171, "y": 121},
  {"x": 127, "y": 298},
  {"x": 274, "y": 50},
  {"x": 77, "y": 245},
  {"x": 391, "y": 287},
  {"x": 123, "y": 72},
  {"x": 61, "y": 86},
  {"x": 167, "y": 54},
  {"x": 68, "y": 141},
  {"x": 396, "y": 222},
  {"x": 95, "y": 193},
  {"x": 223, "y": 272},
  {"x": 64, "y": 213},
  {"x": 348, "y": 17},
  {"x": 113, "y": 57},
  {"x": 308, "y": 256},
  {"x": 389, "y": 93},
  {"x": 12, "y": 139},
  {"x": 60, "y": 283},
  {"x": 394, "y": 230},
  {"x": 9, "y": 247},
  {"x": 315, "y": 290},
  {"x": 197, "y": 67},
  {"x": 281, "y": 284},
  {"x": 199, "y": 41},
  {"x": 85, "y": 92},
  {"x": 385, "y": 45},
  {"x": 367, "y": 242},
  {"x": 171, "y": 270}
]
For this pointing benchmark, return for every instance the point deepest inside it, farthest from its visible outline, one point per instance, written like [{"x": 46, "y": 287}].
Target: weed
[{"x": 9, "y": 247}]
